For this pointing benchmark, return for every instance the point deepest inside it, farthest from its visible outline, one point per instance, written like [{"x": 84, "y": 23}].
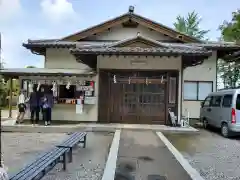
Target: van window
[
  {"x": 216, "y": 101},
  {"x": 238, "y": 102},
  {"x": 227, "y": 100},
  {"x": 206, "y": 102}
]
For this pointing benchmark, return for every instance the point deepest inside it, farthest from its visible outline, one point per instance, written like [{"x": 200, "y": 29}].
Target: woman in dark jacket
[{"x": 34, "y": 102}]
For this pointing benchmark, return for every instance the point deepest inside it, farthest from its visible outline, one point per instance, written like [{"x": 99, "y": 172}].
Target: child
[{"x": 21, "y": 108}]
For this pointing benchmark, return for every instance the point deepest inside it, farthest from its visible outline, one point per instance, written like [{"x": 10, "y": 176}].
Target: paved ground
[
  {"x": 21, "y": 148},
  {"x": 142, "y": 154},
  {"x": 215, "y": 157},
  {"x": 5, "y": 113},
  {"x": 89, "y": 163}
]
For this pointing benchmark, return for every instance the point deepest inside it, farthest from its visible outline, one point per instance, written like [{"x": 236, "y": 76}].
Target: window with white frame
[{"x": 197, "y": 90}]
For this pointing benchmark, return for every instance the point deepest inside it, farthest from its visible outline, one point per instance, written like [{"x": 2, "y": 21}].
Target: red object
[
  {"x": 233, "y": 116},
  {"x": 92, "y": 83}
]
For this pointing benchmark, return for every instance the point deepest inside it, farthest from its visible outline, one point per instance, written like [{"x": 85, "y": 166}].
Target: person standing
[
  {"x": 47, "y": 107},
  {"x": 21, "y": 107},
  {"x": 41, "y": 94},
  {"x": 34, "y": 102},
  {"x": 3, "y": 174}
]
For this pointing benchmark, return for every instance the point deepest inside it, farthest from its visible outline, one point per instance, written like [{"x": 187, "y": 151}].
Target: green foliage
[
  {"x": 30, "y": 67},
  {"x": 231, "y": 30},
  {"x": 190, "y": 25},
  {"x": 2, "y": 88},
  {"x": 229, "y": 72}
]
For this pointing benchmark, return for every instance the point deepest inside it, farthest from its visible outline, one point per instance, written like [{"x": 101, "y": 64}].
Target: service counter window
[
  {"x": 67, "y": 93},
  {"x": 62, "y": 94}
]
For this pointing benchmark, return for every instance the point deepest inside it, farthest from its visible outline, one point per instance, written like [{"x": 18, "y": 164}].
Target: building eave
[
  {"x": 140, "y": 51},
  {"x": 15, "y": 72}
]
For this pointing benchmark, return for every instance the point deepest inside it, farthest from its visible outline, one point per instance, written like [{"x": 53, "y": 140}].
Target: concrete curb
[
  {"x": 111, "y": 164},
  {"x": 6, "y": 127},
  {"x": 193, "y": 173}
]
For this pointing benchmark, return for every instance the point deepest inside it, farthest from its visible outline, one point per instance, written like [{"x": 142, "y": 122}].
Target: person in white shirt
[
  {"x": 21, "y": 107},
  {"x": 3, "y": 173}
]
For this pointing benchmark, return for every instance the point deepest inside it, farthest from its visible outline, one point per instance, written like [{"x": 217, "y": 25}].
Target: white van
[{"x": 221, "y": 109}]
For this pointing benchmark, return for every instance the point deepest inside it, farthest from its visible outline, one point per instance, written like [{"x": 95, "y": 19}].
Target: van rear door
[{"x": 237, "y": 109}]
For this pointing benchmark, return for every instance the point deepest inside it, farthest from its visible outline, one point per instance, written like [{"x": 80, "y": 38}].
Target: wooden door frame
[{"x": 167, "y": 105}]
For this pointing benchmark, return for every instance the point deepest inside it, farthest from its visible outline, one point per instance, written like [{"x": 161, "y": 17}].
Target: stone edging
[
  {"x": 193, "y": 173},
  {"x": 110, "y": 167}
]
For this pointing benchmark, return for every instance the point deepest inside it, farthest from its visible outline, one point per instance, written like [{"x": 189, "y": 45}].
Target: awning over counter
[{"x": 46, "y": 72}]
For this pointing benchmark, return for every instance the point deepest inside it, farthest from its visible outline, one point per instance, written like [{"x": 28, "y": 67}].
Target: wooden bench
[
  {"x": 74, "y": 139},
  {"x": 42, "y": 165}
]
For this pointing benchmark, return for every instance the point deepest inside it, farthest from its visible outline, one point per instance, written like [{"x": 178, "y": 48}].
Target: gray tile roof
[
  {"x": 160, "y": 44},
  {"x": 233, "y": 56},
  {"x": 216, "y": 45},
  {"x": 63, "y": 44},
  {"x": 139, "y": 51},
  {"x": 45, "y": 71},
  {"x": 86, "y": 44}
]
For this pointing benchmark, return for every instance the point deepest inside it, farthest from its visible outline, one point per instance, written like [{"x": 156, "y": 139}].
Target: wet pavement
[
  {"x": 143, "y": 156},
  {"x": 214, "y": 157}
]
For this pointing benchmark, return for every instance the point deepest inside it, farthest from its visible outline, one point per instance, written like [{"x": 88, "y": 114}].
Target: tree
[
  {"x": 229, "y": 72},
  {"x": 30, "y": 67},
  {"x": 230, "y": 31},
  {"x": 2, "y": 87},
  {"x": 190, "y": 25}
]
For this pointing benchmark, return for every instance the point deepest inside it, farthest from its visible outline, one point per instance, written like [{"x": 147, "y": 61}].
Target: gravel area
[
  {"x": 88, "y": 163},
  {"x": 19, "y": 149},
  {"x": 215, "y": 157}
]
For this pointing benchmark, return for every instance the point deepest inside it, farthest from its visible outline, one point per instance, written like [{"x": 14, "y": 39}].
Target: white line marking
[
  {"x": 110, "y": 168},
  {"x": 193, "y": 173}
]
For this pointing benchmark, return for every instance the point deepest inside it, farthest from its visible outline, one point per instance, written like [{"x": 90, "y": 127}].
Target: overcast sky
[{"x": 35, "y": 19}]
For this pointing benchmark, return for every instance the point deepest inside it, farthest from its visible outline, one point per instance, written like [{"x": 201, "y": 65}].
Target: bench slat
[
  {"x": 37, "y": 167},
  {"x": 72, "y": 141},
  {"x": 42, "y": 165},
  {"x": 27, "y": 168},
  {"x": 73, "y": 136}
]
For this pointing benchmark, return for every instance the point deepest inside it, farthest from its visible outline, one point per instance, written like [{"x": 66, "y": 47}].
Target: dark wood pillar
[{"x": 10, "y": 97}]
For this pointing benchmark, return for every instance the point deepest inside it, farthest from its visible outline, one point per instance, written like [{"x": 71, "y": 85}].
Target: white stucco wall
[
  {"x": 142, "y": 62},
  {"x": 204, "y": 72},
  {"x": 62, "y": 58},
  {"x": 120, "y": 33}
]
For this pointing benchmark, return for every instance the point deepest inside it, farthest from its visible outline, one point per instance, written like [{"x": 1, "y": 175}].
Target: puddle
[
  {"x": 120, "y": 176},
  {"x": 145, "y": 158},
  {"x": 186, "y": 143},
  {"x": 156, "y": 177},
  {"x": 125, "y": 170}
]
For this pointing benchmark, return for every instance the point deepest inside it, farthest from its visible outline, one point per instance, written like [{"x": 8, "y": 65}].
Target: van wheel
[
  {"x": 224, "y": 130},
  {"x": 205, "y": 124}
]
